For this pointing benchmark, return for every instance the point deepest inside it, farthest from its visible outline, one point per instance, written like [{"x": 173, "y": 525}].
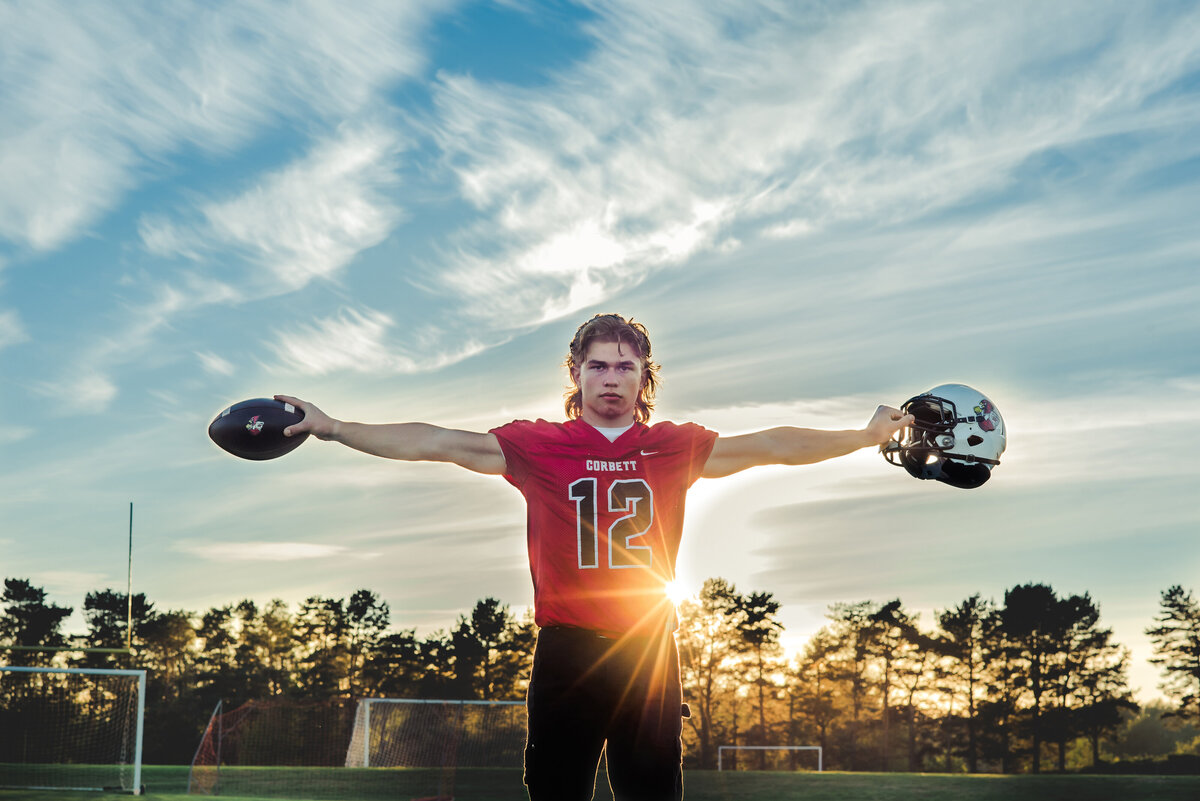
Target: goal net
[
  {"x": 401, "y": 732},
  {"x": 770, "y": 757},
  {"x": 305, "y": 740},
  {"x": 355, "y": 749},
  {"x": 438, "y": 737},
  {"x": 71, "y": 728}
]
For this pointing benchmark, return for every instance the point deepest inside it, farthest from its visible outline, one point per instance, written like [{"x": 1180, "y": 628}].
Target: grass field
[{"x": 170, "y": 784}]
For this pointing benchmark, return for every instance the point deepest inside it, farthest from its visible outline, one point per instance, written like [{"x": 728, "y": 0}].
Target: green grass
[
  {"x": 170, "y": 784},
  {"x": 711, "y": 786}
]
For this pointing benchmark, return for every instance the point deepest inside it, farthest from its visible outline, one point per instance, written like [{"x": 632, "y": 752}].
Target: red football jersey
[{"x": 604, "y": 519}]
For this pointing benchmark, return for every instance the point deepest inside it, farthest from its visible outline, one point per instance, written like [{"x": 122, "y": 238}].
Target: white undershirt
[{"x": 613, "y": 433}]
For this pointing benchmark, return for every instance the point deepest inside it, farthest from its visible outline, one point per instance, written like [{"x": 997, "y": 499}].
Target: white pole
[
  {"x": 141, "y": 716},
  {"x": 129, "y": 587},
  {"x": 367, "y": 732}
]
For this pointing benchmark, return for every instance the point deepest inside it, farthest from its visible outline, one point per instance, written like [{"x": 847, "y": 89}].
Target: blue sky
[{"x": 401, "y": 211}]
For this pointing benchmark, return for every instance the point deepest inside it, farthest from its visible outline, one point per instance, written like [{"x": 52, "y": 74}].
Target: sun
[{"x": 677, "y": 592}]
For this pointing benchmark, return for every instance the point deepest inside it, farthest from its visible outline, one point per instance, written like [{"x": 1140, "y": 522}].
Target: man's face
[{"x": 610, "y": 377}]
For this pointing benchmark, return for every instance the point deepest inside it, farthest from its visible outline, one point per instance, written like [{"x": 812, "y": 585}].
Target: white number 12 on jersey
[{"x": 632, "y": 496}]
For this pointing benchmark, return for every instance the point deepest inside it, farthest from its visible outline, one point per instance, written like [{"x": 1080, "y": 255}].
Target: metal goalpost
[
  {"x": 67, "y": 727},
  {"x": 722, "y": 749}
]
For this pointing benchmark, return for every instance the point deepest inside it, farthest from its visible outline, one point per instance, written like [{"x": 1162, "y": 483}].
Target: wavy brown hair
[{"x": 612, "y": 328}]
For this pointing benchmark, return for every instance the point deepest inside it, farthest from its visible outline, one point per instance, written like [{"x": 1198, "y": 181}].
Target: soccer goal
[
  {"x": 71, "y": 729},
  {"x": 409, "y": 733},
  {"x": 346, "y": 748},
  {"x": 783, "y": 756},
  {"x": 437, "y": 737},
  {"x": 305, "y": 740}
]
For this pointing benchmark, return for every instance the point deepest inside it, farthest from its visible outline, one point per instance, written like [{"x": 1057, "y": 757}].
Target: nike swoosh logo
[{"x": 648, "y": 453}]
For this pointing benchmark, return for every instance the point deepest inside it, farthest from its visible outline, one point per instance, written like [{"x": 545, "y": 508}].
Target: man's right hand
[{"x": 315, "y": 421}]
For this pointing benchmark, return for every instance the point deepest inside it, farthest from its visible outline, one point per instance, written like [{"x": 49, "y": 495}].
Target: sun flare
[{"x": 677, "y": 592}]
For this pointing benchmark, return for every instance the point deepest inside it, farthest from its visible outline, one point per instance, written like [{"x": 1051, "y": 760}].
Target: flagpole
[{"x": 129, "y": 586}]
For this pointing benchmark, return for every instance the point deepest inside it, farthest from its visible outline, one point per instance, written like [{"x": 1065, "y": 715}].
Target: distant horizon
[{"x": 792, "y": 643}]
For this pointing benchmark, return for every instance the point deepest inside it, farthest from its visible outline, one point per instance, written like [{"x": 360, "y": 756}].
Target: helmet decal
[{"x": 987, "y": 415}]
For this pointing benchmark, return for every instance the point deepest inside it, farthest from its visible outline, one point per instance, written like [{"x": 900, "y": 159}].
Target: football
[{"x": 253, "y": 429}]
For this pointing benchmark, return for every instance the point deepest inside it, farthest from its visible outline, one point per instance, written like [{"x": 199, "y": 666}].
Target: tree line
[{"x": 1034, "y": 682}]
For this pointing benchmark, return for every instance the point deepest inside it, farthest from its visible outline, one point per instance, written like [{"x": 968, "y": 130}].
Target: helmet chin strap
[
  {"x": 970, "y": 458},
  {"x": 892, "y": 447}
]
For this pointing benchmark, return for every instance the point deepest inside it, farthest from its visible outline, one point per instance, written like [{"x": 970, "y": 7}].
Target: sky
[{"x": 402, "y": 211}]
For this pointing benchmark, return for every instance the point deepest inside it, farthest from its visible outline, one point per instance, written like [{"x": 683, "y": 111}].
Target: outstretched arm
[
  {"x": 414, "y": 442},
  {"x": 799, "y": 445}
]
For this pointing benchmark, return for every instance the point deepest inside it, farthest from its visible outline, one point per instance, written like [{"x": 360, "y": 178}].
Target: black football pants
[{"x": 590, "y": 693}]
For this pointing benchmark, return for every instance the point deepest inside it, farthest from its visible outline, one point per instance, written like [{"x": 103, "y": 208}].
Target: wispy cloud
[
  {"x": 70, "y": 586},
  {"x": 305, "y": 221},
  {"x": 261, "y": 551},
  {"x": 10, "y": 434},
  {"x": 1111, "y": 435},
  {"x": 86, "y": 383},
  {"x": 214, "y": 363},
  {"x": 87, "y": 118},
  {"x": 688, "y": 129},
  {"x": 86, "y": 115},
  {"x": 358, "y": 340},
  {"x": 11, "y": 330},
  {"x": 702, "y": 125},
  {"x": 353, "y": 340}
]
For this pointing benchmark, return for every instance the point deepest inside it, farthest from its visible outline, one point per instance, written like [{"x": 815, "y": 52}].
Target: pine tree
[
  {"x": 759, "y": 627},
  {"x": 964, "y": 630},
  {"x": 28, "y": 621},
  {"x": 708, "y": 640},
  {"x": 1176, "y": 641}
]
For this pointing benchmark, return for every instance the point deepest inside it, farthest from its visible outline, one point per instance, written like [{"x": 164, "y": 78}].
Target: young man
[{"x": 605, "y": 498}]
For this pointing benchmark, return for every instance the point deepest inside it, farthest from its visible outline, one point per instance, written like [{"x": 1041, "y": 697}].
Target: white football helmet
[{"x": 957, "y": 437}]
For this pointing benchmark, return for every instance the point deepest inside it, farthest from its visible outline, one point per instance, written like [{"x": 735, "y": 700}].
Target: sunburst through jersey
[{"x": 605, "y": 518}]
